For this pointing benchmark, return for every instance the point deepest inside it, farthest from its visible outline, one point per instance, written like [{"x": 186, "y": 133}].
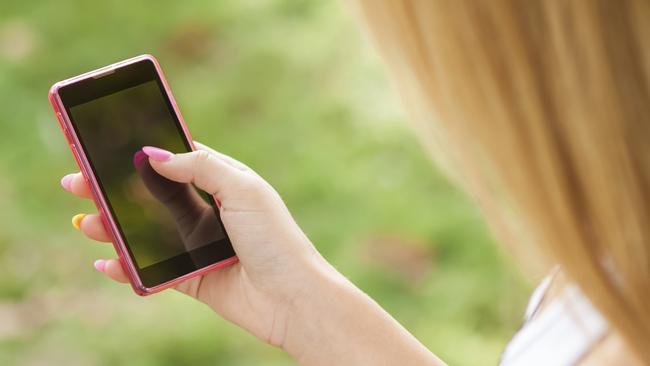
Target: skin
[{"x": 282, "y": 290}]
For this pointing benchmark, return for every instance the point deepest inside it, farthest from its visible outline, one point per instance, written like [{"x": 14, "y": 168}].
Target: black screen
[{"x": 170, "y": 228}]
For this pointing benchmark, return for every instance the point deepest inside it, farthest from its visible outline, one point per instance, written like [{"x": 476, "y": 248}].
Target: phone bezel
[{"x": 101, "y": 202}]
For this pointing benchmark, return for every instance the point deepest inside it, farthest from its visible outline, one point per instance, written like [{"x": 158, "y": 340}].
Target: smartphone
[{"x": 164, "y": 232}]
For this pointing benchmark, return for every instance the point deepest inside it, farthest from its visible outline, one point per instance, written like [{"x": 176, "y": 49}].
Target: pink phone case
[{"x": 100, "y": 201}]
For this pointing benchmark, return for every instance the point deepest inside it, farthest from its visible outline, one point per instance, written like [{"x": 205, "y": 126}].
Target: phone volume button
[
  {"x": 73, "y": 147},
  {"x": 59, "y": 116},
  {"x": 82, "y": 167}
]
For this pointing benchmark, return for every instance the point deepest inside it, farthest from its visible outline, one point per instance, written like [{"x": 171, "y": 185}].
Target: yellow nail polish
[{"x": 76, "y": 220}]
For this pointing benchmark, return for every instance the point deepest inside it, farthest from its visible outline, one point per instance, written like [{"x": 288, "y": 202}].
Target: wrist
[
  {"x": 313, "y": 313},
  {"x": 333, "y": 322}
]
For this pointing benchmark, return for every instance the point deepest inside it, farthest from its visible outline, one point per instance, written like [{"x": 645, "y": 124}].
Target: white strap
[{"x": 560, "y": 335}]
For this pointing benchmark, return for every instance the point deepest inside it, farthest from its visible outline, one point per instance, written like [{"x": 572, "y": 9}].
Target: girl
[{"x": 542, "y": 109}]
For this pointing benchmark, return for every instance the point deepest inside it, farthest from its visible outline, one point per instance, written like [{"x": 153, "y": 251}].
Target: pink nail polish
[
  {"x": 157, "y": 154},
  {"x": 99, "y": 265},
  {"x": 66, "y": 181},
  {"x": 138, "y": 158}
]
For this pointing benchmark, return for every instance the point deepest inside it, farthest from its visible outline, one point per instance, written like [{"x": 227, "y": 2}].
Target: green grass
[{"x": 292, "y": 89}]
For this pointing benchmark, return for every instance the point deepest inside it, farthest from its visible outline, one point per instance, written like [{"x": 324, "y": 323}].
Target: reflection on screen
[{"x": 159, "y": 219}]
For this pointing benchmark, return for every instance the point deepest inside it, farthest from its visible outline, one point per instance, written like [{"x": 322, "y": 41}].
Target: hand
[
  {"x": 281, "y": 290},
  {"x": 277, "y": 263},
  {"x": 194, "y": 218}
]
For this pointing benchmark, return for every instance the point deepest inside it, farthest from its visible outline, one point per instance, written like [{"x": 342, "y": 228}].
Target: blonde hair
[{"x": 544, "y": 109}]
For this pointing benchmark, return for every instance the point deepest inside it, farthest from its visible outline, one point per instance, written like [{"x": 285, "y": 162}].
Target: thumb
[{"x": 206, "y": 170}]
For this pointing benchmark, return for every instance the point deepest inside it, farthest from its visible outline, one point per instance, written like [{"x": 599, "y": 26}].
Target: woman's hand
[
  {"x": 281, "y": 290},
  {"x": 276, "y": 260}
]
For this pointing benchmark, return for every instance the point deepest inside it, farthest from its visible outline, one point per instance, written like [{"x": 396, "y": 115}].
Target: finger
[
  {"x": 191, "y": 287},
  {"x": 210, "y": 287},
  {"x": 93, "y": 227},
  {"x": 200, "y": 167},
  {"x": 228, "y": 159},
  {"x": 115, "y": 271},
  {"x": 76, "y": 184},
  {"x": 180, "y": 198},
  {"x": 112, "y": 268}
]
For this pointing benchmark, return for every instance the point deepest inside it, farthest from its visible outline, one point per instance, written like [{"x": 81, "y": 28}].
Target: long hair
[{"x": 543, "y": 107}]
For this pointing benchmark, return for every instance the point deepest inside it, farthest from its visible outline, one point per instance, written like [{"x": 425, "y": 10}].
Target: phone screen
[{"x": 169, "y": 228}]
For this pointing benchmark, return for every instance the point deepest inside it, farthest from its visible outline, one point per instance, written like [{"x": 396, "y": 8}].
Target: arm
[
  {"x": 338, "y": 324},
  {"x": 282, "y": 290}
]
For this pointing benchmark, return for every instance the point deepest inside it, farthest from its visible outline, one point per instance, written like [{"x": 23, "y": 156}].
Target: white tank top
[{"x": 562, "y": 334}]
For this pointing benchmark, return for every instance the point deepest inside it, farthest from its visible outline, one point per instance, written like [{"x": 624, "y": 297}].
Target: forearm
[{"x": 337, "y": 324}]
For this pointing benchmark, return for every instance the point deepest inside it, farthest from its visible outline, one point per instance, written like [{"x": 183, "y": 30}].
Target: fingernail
[
  {"x": 157, "y": 154},
  {"x": 76, "y": 220},
  {"x": 99, "y": 265},
  {"x": 66, "y": 181},
  {"x": 138, "y": 158}
]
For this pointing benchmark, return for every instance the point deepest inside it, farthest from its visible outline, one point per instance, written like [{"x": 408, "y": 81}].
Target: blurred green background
[{"x": 292, "y": 89}]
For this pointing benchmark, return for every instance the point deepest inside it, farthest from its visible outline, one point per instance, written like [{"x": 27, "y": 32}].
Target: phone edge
[{"x": 100, "y": 201}]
